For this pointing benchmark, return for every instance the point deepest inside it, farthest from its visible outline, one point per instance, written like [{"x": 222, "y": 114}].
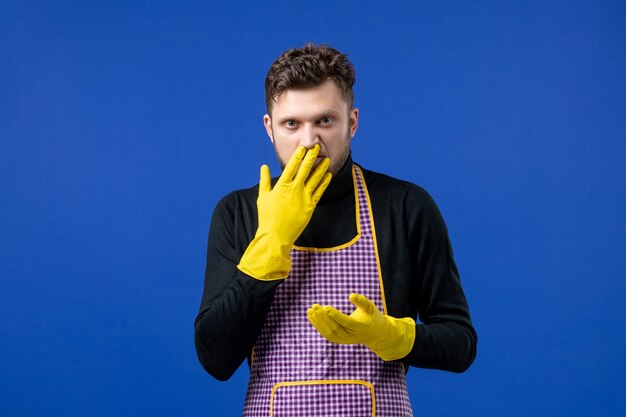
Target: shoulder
[
  {"x": 236, "y": 203},
  {"x": 382, "y": 186},
  {"x": 234, "y": 218},
  {"x": 237, "y": 197},
  {"x": 404, "y": 205}
]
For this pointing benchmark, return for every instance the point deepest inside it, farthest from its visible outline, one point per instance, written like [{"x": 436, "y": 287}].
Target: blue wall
[{"x": 123, "y": 123}]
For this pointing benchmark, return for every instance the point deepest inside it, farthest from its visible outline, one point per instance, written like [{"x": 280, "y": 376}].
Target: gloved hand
[
  {"x": 388, "y": 337},
  {"x": 284, "y": 212}
]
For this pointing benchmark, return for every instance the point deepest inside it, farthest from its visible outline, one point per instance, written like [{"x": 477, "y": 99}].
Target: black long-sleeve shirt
[{"x": 419, "y": 274}]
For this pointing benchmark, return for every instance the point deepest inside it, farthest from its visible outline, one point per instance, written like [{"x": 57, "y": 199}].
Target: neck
[{"x": 340, "y": 185}]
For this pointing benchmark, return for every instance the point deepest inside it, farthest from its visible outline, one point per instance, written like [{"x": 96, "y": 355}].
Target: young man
[{"x": 318, "y": 282}]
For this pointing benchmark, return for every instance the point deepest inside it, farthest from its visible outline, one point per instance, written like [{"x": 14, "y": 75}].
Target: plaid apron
[{"x": 296, "y": 372}]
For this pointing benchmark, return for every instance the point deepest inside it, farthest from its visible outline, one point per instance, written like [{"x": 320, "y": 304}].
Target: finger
[
  {"x": 314, "y": 311},
  {"x": 307, "y": 164},
  {"x": 325, "y": 325},
  {"x": 292, "y": 166},
  {"x": 337, "y": 319},
  {"x": 364, "y": 303},
  {"x": 316, "y": 176},
  {"x": 317, "y": 194},
  {"x": 319, "y": 323},
  {"x": 332, "y": 330},
  {"x": 328, "y": 314},
  {"x": 265, "y": 184}
]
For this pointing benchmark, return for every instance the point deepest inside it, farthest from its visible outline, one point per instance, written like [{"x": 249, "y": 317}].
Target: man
[{"x": 319, "y": 281}]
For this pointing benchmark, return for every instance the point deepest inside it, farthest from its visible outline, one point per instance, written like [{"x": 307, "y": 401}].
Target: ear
[
  {"x": 353, "y": 117},
  {"x": 267, "y": 122}
]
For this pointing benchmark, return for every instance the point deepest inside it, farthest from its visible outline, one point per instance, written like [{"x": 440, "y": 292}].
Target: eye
[
  {"x": 290, "y": 124},
  {"x": 325, "y": 120}
]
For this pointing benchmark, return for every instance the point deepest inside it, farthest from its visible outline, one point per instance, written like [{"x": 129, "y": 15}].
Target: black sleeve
[
  {"x": 445, "y": 339},
  {"x": 234, "y": 305}
]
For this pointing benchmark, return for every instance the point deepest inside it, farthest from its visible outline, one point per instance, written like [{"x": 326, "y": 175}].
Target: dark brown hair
[{"x": 308, "y": 67}]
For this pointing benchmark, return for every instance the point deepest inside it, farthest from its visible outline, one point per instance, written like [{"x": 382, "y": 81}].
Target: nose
[{"x": 310, "y": 136}]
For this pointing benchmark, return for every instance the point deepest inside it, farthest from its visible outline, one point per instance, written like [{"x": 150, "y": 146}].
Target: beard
[{"x": 336, "y": 165}]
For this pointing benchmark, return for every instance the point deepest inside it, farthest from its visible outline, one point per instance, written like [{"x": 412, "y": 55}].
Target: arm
[
  {"x": 446, "y": 338},
  {"x": 234, "y": 305}
]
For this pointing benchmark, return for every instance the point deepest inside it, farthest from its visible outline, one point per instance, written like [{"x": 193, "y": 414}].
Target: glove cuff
[
  {"x": 266, "y": 258},
  {"x": 397, "y": 341}
]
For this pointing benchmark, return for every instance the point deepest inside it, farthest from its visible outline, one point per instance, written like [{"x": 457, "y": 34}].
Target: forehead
[{"x": 310, "y": 100}]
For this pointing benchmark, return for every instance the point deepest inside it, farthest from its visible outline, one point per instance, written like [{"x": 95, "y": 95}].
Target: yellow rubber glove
[
  {"x": 388, "y": 337},
  {"x": 284, "y": 212}
]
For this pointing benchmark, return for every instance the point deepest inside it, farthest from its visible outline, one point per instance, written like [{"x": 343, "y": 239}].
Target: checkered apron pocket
[{"x": 323, "y": 399}]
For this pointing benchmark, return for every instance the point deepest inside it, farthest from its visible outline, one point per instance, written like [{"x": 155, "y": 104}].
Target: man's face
[{"x": 317, "y": 115}]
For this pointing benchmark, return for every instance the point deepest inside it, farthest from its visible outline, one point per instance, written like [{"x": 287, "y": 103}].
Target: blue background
[{"x": 123, "y": 123}]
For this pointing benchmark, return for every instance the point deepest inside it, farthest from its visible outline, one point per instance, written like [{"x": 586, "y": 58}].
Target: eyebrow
[{"x": 327, "y": 112}]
